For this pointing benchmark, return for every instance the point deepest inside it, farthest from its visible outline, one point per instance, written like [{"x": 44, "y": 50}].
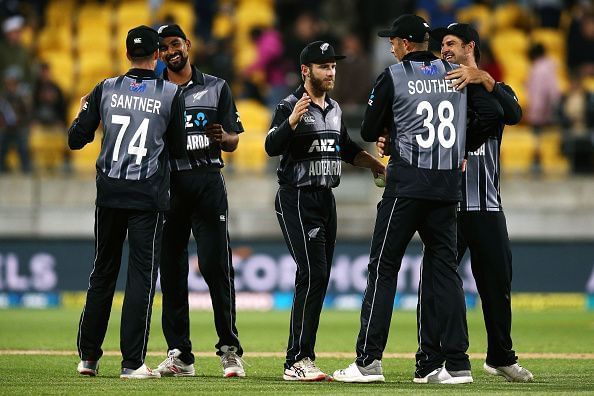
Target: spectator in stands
[
  {"x": 50, "y": 110},
  {"x": 580, "y": 43},
  {"x": 577, "y": 119},
  {"x": 441, "y": 12},
  {"x": 355, "y": 67},
  {"x": 269, "y": 68},
  {"x": 14, "y": 111},
  {"x": 542, "y": 89},
  {"x": 14, "y": 53}
]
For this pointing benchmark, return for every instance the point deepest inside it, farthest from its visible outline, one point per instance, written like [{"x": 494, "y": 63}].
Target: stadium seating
[
  {"x": 251, "y": 156},
  {"x": 479, "y": 16},
  {"x": 552, "y": 161},
  {"x": 518, "y": 150}
]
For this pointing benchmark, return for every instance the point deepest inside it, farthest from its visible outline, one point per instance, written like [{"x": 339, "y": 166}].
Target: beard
[
  {"x": 321, "y": 85},
  {"x": 177, "y": 65}
]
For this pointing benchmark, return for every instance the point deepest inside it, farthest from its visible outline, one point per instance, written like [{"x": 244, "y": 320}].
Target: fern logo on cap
[{"x": 324, "y": 47}]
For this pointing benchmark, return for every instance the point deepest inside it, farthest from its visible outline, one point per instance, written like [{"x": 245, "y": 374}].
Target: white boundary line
[{"x": 337, "y": 355}]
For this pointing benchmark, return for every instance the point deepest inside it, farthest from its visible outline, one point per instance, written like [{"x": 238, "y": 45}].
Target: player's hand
[
  {"x": 215, "y": 133},
  {"x": 83, "y": 103},
  {"x": 300, "y": 108},
  {"x": 383, "y": 145},
  {"x": 377, "y": 168},
  {"x": 463, "y": 166},
  {"x": 464, "y": 75}
]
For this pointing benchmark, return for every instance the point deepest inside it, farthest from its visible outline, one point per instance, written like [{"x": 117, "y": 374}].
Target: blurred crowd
[{"x": 543, "y": 48}]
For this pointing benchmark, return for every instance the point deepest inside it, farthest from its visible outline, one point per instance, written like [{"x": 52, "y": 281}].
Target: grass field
[{"x": 38, "y": 355}]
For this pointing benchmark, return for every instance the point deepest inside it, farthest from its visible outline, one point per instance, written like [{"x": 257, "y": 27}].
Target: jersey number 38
[{"x": 445, "y": 122}]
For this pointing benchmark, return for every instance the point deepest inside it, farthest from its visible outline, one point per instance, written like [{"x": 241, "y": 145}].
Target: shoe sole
[
  {"x": 494, "y": 371},
  {"x": 89, "y": 372},
  {"x": 321, "y": 377},
  {"x": 139, "y": 377},
  {"x": 364, "y": 379},
  {"x": 451, "y": 381},
  {"x": 234, "y": 374}
]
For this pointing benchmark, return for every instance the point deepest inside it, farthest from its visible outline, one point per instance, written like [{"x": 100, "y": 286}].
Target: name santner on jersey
[{"x": 137, "y": 103}]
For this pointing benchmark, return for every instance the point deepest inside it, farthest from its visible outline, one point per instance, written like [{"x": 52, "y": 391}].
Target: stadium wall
[{"x": 54, "y": 272}]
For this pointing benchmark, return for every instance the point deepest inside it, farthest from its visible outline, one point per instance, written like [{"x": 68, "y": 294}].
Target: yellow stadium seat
[
  {"x": 59, "y": 12},
  {"x": 132, "y": 13},
  {"x": 552, "y": 161},
  {"x": 251, "y": 156},
  {"x": 181, "y": 11},
  {"x": 83, "y": 161},
  {"x": 588, "y": 84},
  {"x": 62, "y": 69},
  {"x": 478, "y": 15},
  {"x": 518, "y": 150},
  {"x": 48, "y": 146},
  {"x": 508, "y": 15},
  {"x": 54, "y": 39},
  {"x": 255, "y": 117}
]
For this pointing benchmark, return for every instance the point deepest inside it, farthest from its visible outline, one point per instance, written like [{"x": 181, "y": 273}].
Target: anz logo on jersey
[
  {"x": 323, "y": 145},
  {"x": 196, "y": 121}
]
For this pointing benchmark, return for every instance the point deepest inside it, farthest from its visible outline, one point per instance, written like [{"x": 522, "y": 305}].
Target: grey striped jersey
[
  {"x": 480, "y": 185},
  {"x": 429, "y": 116},
  {"x": 135, "y": 115},
  {"x": 311, "y": 155},
  {"x": 208, "y": 100}
]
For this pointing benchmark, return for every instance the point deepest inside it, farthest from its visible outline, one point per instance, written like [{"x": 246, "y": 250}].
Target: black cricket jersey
[
  {"x": 427, "y": 124},
  {"x": 142, "y": 116},
  {"x": 208, "y": 99},
  {"x": 481, "y": 181},
  {"x": 311, "y": 155}
]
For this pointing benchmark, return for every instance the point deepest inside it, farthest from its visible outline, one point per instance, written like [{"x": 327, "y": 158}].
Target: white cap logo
[
  {"x": 161, "y": 28},
  {"x": 137, "y": 40},
  {"x": 324, "y": 47}
]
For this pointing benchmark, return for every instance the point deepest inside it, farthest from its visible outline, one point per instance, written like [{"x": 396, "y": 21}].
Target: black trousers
[
  {"x": 307, "y": 218},
  {"x": 397, "y": 221},
  {"x": 144, "y": 237},
  {"x": 485, "y": 235},
  {"x": 198, "y": 204}
]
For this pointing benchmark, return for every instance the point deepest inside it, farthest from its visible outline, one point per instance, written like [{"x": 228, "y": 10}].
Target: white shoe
[
  {"x": 232, "y": 364},
  {"x": 442, "y": 376},
  {"x": 88, "y": 367},
  {"x": 142, "y": 372},
  {"x": 354, "y": 373},
  {"x": 304, "y": 370},
  {"x": 173, "y": 366},
  {"x": 512, "y": 373}
]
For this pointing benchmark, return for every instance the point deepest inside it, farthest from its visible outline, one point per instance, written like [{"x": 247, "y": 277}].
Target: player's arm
[
  {"x": 176, "y": 130},
  {"x": 226, "y": 134},
  {"x": 378, "y": 113},
  {"x": 82, "y": 130},
  {"x": 352, "y": 153},
  {"x": 280, "y": 131},
  {"x": 505, "y": 95},
  {"x": 485, "y": 116}
]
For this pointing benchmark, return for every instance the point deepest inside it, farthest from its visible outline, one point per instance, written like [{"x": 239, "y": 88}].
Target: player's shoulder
[{"x": 213, "y": 81}]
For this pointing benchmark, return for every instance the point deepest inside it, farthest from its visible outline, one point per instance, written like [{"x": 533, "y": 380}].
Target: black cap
[
  {"x": 461, "y": 30},
  {"x": 142, "y": 41},
  {"x": 318, "y": 52},
  {"x": 407, "y": 26},
  {"x": 171, "y": 31}
]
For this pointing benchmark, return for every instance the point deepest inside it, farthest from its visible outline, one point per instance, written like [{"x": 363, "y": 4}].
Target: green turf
[{"x": 547, "y": 331}]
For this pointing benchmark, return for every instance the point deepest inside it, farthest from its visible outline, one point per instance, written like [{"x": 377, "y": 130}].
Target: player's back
[
  {"x": 429, "y": 130},
  {"x": 135, "y": 114}
]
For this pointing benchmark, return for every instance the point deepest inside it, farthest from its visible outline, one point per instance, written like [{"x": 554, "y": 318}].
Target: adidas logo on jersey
[{"x": 320, "y": 145}]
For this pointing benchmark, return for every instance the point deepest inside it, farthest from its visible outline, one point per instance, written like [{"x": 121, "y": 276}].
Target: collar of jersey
[
  {"x": 197, "y": 76},
  {"x": 143, "y": 74},
  {"x": 419, "y": 56}
]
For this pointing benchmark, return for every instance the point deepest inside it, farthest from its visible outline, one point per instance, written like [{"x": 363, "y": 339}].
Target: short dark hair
[{"x": 142, "y": 58}]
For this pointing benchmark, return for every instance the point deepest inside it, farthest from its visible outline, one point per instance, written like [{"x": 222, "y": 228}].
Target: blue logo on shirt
[
  {"x": 201, "y": 119},
  {"x": 137, "y": 87}
]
